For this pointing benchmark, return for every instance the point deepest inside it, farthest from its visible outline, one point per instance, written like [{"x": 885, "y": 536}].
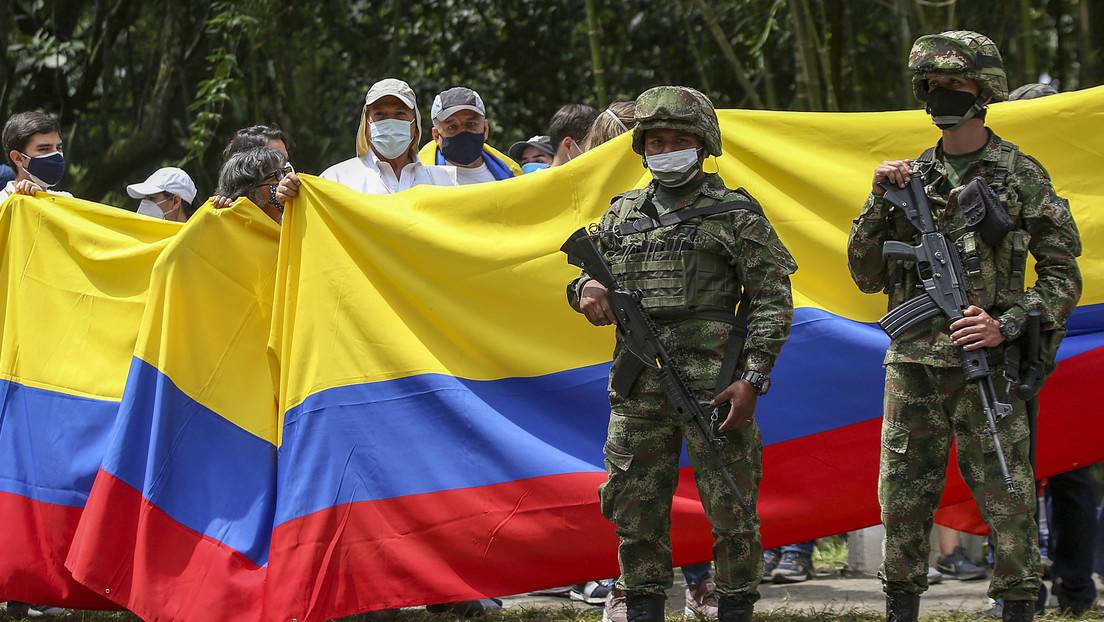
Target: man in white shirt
[
  {"x": 387, "y": 145},
  {"x": 460, "y": 131},
  {"x": 32, "y": 144}
]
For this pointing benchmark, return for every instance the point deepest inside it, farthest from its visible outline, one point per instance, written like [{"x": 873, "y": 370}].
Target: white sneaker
[{"x": 592, "y": 592}]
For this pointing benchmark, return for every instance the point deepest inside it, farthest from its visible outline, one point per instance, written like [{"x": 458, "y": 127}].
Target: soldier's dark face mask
[{"x": 950, "y": 109}]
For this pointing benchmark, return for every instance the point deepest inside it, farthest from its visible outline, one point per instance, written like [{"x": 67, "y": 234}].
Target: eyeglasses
[{"x": 280, "y": 174}]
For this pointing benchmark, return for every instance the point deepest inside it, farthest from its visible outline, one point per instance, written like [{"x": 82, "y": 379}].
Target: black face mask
[
  {"x": 950, "y": 109},
  {"x": 464, "y": 148}
]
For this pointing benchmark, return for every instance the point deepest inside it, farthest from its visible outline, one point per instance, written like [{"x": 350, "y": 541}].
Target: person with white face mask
[
  {"x": 715, "y": 278},
  {"x": 167, "y": 194},
  {"x": 387, "y": 145},
  {"x": 32, "y": 145}
]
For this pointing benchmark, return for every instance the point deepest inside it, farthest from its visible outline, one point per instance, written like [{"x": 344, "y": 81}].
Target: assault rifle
[
  {"x": 945, "y": 293},
  {"x": 640, "y": 337}
]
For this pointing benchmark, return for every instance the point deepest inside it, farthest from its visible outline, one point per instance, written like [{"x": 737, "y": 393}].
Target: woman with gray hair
[{"x": 255, "y": 175}]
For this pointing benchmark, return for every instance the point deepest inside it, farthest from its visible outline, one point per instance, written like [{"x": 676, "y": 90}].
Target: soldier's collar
[{"x": 991, "y": 152}]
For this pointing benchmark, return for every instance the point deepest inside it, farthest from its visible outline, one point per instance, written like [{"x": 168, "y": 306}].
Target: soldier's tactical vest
[
  {"x": 996, "y": 273},
  {"x": 682, "y": 272}
]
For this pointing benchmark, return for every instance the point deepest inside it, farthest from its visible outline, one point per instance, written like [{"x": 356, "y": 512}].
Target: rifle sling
[
  {"x": 643, "y": 225},
  {"x": 735, "y": 347}
]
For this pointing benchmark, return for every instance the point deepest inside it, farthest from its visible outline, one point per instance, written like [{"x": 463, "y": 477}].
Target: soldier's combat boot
[
  {"x": 732, "y": 610},
  {"x": 902, "y": 607},
  {"x": 644, "y": 608},
  {"x": 1018, "y": 611}
]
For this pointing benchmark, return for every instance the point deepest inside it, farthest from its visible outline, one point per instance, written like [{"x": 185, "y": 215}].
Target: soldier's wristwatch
[{"x": 759, "y": 382}]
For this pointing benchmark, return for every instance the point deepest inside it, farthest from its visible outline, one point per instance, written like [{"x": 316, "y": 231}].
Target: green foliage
[{"x": 138, "y": 85}]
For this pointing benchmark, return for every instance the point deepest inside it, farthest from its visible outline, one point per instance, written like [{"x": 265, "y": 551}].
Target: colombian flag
[
  {"x": 443, "y": 410},
  {"x": 73, "y": 282},
  {"x": 388, "y": 402},
  {"x": 179, "y": 519}
]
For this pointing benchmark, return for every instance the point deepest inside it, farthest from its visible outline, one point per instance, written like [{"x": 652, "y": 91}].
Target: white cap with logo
[{"x": 169, "y": 179}]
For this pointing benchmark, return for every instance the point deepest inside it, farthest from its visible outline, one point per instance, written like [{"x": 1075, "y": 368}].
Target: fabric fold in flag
[
  {"x": 179, "y": 519},
  {"x": 74, "y": 277},
  {"x": 443, "y": 410}
]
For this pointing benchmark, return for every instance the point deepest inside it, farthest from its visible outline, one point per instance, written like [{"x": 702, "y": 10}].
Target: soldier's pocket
[
  {"x": 895, "y": 438},
  {"x": 612, "y": 495},
  {"x": 618, "y": 459}
]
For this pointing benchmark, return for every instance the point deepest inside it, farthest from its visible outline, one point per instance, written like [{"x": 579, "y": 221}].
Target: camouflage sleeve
[
  {"x": 864, "y": 246},
  {"x": 1055, "y": 244},
  {"x": 764, "y": 266}
]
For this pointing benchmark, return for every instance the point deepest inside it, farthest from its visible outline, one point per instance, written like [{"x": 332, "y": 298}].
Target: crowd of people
[{"x": 674, "y": 129}]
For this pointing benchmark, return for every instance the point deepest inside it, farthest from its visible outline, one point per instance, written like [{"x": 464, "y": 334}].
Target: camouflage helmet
[
  {"x": 677, "y": 108},
  {"x": 961, "y": 52},
  {"x": 1031, "y": 91}
]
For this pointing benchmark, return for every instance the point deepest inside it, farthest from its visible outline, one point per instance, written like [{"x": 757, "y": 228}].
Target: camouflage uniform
[
  {"x": 927, "y": 400},
  {"x": 690, "y": 277}
]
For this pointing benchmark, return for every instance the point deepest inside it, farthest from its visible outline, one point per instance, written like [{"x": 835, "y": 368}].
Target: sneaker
[
  {"x": 467, "y": 608},
  {"x": 44, "y": 611},
  {"x": 934, "y": 576},
  {"x": 794, "y": 568},
  {"x": 702, "y": 601},
  {"x": 956, "y": 566},
  {"x": 616, "y": 610},
  {"x": 592, "y": 592},
  {"x": 771, "y": 557},
  {"x": 562, "y": 590}
]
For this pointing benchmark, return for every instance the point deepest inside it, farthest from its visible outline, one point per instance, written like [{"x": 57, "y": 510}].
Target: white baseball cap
[{"x": 169, "y": 179}]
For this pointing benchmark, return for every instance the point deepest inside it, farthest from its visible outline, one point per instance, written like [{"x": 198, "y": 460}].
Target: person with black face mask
[
  {"x": 460, "y": 131},
  {"x": 995, "y": 205},
  {"x": 32, "y": 144}
]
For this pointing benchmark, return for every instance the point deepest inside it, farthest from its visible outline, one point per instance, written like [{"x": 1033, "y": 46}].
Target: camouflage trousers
[
  {"x": 925, "y": 407},
  {"x": 642, "y": 459}
]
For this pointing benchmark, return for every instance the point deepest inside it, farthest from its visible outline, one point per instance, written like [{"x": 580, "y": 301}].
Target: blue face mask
[
  {"x": 391, "y": 137},
  {"x": 46, "y": 170},
  {"x": 530, "y": 167}
]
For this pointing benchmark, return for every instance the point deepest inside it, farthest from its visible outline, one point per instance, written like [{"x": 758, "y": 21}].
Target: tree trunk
[
  {"x": 730, "y": 55},
  {"x": 695, "y": 49},
  {"x": 807, "y": 87},
  {"x": 147, "y": 142},
  {"x": 835, "y": 52},
  {"x": 904, "y": 44},
  {"x": 596, "y": 54},
  {"x": 1028, "y": 69},
  {"x": 1086, "y": 53}
]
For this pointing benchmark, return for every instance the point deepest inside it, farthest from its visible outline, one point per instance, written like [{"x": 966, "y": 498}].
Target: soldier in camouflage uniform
[
  {"x": 690, "y": 276},
  {"x": 927, "y": 400}
]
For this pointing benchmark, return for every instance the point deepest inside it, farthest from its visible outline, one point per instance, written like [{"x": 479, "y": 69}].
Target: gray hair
[{"x": 246, "y": 169}]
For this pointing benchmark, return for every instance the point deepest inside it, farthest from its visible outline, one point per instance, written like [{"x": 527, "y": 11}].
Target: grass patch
[{"x": 830, "y": 553}]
